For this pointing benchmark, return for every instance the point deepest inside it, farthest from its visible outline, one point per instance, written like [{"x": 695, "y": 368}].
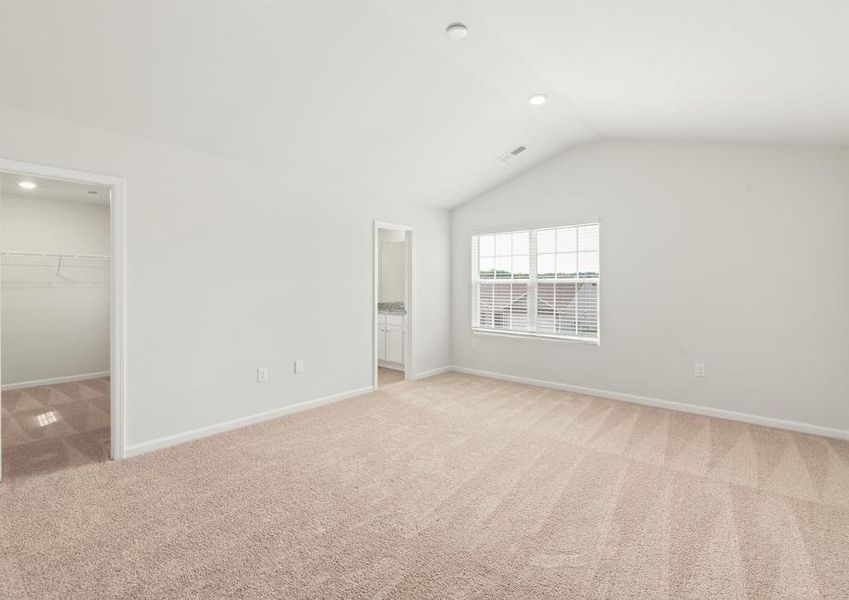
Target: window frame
[{"x": 532, "y": 282}]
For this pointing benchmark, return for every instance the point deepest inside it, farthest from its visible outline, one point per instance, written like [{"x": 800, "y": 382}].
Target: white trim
[
  {"x": 669, "y": 405},
  {"x": 195, "y": 434},
  {"x": 60, "y": 173},
  {"x": 535, "y": 336},
  {"x": 54, "y": 380},
  {"x": 432, "y": 372},
  {"x": 547, "y": 224},
  {"x": 118, "y": 296},
  {"x": 118, "y": 320}
]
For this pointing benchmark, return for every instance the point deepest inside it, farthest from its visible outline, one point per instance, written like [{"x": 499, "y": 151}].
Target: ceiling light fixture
[
  {"x": 538, "y": 99},
  {"x": 457, "y": 31},
  {"x": 27, "y": 185}
]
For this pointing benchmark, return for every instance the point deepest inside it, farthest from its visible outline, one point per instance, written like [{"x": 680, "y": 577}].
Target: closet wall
[{"x": 53, "y": 327}]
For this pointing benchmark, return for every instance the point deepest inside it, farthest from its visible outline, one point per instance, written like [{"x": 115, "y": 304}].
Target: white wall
[
  {"x": 736, "y": 256},
  {"x": 223, "y": 259},
  {"x": 63, "y": 330},
  {"x": 392, "y": 260}
]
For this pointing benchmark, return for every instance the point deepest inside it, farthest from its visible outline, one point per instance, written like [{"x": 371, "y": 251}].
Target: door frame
[
  {"x": 117, "y": 297},
  {"x": 409, "y": 293}
]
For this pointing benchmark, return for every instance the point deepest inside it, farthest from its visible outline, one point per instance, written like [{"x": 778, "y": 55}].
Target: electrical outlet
[
  {"x": 474, "y": 342},
  {"x": 299, "y": 366},
  {"x": 261, "y": 374},
  {"x": 699, "y": 370}
]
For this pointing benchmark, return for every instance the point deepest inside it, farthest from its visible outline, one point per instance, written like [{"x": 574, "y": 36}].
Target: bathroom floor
[{"x": 386, "y": 376}]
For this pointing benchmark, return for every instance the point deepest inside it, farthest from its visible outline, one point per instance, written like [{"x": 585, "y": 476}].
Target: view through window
[{"x": 541, "y": 282}]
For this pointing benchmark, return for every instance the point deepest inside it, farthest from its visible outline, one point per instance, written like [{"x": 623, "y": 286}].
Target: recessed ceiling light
[
  {"x": 457, "y": 31},
  {"x": 538, "y": 99},
  {"x": 27, "y": 185}
]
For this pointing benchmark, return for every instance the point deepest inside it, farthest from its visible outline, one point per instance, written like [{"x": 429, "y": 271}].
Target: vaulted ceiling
[{"x": 373, "y": 92}]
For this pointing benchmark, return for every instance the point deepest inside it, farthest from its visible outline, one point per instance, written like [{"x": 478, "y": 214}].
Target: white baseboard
[
  {"x": 668, "y": 404},
  {"x": 432, "y": 372},
  {"x": 194, "y": 434},
  {"x": 53, "y": 380},
  {"x": 202, "y": 432}
]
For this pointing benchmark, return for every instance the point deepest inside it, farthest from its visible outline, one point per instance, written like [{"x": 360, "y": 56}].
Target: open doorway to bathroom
[
  {"x": 56, "y": 320},
  {"x": 393, "y": 305}
]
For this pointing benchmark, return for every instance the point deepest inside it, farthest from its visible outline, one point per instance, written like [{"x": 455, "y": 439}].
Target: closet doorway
[
  {"x": 392, "y": 303},
  {"x": 60, "y": 320}
]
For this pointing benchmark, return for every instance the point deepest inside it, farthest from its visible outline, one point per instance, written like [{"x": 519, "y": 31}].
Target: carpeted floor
[{"x": 449, "y": 487}]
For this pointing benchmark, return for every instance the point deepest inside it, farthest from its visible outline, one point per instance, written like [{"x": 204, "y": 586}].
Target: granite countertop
[{"x": 392, "y": 307}]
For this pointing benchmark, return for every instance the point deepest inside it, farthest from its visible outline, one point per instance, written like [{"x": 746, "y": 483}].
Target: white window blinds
[{"x": 540, "y": 282}]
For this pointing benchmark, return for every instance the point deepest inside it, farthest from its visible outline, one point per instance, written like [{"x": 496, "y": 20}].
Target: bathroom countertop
[{"x": 396, "y": 308}]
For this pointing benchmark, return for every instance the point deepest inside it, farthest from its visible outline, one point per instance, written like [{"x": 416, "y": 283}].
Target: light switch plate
[
  {"x": 299, "y": 366},
  {"x": 261, "y": 374}
]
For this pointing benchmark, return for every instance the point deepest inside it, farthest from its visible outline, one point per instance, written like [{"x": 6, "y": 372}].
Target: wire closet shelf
[{"x": 21, "y": 268}]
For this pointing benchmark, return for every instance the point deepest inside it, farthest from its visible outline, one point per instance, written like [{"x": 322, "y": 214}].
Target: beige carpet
[{"x": 451, "y": 487}]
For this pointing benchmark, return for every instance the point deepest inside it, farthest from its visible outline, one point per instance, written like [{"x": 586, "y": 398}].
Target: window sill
[{"x": 537, "y": 336}]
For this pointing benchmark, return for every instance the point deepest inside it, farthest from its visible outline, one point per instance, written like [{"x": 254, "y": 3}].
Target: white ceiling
[
  {"x": 53, "y": 189},
  {"x": 735, "y": 70},
  {"x": 374, "y": 94}
]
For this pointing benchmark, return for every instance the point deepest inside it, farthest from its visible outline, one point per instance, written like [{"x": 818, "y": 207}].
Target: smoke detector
[{"x": 457, "y": 31}]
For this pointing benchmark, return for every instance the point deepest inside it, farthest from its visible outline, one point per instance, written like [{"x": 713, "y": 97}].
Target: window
[{"x": 538, "y": 282}]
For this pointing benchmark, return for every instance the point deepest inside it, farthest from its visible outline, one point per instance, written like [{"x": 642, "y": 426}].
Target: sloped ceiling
[
  {"x": 373, "y": 93},
  {"x": 730, "y": 70}
]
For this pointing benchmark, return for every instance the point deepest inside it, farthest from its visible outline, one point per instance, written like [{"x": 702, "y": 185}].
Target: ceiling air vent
[{"x": 509, "y": 155}]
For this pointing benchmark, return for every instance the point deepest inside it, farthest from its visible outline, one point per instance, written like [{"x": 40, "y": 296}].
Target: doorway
[
  {"x": 61, "y": 319},
  {"x": 392, "y": 303}
]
